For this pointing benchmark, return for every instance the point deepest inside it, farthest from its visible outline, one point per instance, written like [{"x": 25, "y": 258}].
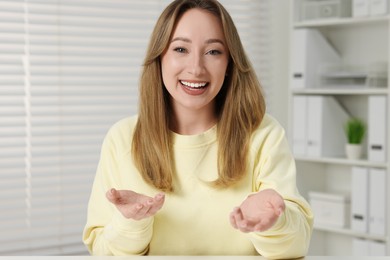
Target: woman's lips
[{"x": 194, "y": 88}]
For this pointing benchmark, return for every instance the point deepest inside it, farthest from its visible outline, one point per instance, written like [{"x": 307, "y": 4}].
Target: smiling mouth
[{"x": 193, "y": 85}]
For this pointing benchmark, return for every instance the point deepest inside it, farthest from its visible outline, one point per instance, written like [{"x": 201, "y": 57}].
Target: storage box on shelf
[
  {"x": 339, "y": 65},
  {"x": 314, "y": 10},
  {"x": 330, "y": 209}
]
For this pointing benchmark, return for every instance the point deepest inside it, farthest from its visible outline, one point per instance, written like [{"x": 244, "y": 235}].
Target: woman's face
[{"x": 195, "y": 62}]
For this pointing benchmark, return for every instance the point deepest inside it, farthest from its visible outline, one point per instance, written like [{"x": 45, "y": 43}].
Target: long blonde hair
[{"x": 240, "y": 104}]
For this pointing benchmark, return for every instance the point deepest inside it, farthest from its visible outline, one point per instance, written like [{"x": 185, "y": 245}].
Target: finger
[
  {"x": 156, "y": 204},
  {"x": 232, "y": 218},
  {"x": 131, "y": 211},
  {"x": 112, "y": 195},
  {"x": 241, "y": 222},
  {"x": 279, "y": 211},
  {"x": 152, "y": 205},
  {"x": 277, "y": 203},
  {"x": 142, "y": 211},
  {"x": 265, "y": 223},
  {"x": 239, "y": 217},
  {"x": 259, "y": 227},
  {"x": 134, "y": 211},
  {"x": 278, "y": 207},
  {"x": 159, "y": 198}
]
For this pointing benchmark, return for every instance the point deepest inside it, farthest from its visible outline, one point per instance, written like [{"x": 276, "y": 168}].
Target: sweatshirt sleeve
[
  {"x": 274, "y": 168},
  {"x": 107, "y": 231}
]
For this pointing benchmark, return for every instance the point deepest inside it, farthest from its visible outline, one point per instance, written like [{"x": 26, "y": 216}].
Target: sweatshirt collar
[{"x": 197, "y": 140}]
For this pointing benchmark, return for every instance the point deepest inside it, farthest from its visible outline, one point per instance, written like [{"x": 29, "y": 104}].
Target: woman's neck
[{"x": 192, "y": 122}]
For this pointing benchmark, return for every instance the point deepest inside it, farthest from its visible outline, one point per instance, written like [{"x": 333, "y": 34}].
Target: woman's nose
[{"x": 196, "y": 65}]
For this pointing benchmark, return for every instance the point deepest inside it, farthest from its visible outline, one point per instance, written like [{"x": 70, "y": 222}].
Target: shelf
[
  {"x": 343, "y": 161},
  {"x": 354, "y": 81},
  {"x": 341, "y": 21},
  {"x": 341, "y": 91},
  {"x": 349, "y": 232}
]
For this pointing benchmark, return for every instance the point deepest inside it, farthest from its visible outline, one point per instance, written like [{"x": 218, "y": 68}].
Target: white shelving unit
[{"x": 359, "y": 41}]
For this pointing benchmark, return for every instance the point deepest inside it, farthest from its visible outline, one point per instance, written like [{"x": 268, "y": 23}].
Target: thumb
[
  {"x": 112, "y": 195},
  {"x": 279, "y": 211},
  {"x": 277, "y": 203},
  {"x": 279, "y": 207}
]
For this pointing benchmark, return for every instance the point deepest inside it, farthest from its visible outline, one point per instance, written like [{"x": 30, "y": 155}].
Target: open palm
[
  {"x": 258, "y": 212},
  {"x": 135, "y": 205}
]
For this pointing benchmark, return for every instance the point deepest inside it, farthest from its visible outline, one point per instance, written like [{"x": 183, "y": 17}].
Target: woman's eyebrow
[
  {"x": 181, "y": 39},
  {"x": 209, "y": 41}
]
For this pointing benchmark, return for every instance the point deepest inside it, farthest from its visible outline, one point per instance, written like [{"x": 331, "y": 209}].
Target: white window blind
[
  {"x": 68, "y": 70},
  {"x": 253, "y": 19}
]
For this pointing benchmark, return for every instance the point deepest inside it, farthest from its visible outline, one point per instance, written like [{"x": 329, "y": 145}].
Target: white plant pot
[{"x": 354, "y": 151}]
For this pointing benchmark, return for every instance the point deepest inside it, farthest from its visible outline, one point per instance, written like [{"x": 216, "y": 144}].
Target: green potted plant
[{"x": 355, "y": 130}]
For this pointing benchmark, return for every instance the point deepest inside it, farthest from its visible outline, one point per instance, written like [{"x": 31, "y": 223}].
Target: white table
[{"x": 183, "y": 258}]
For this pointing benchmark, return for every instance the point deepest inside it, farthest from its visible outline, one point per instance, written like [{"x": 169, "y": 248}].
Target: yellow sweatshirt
[{"x": 194, "y": 220}]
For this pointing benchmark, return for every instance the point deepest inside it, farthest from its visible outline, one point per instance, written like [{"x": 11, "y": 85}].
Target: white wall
[{"x": 280, "y": 38}]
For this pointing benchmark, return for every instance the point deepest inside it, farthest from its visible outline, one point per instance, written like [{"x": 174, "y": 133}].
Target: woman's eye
[
  {"x": 180, "y": 49},
  {"x": 214, "y": 52}
]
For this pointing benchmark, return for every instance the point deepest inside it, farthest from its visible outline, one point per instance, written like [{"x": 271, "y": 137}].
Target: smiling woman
[{"x": 202, "y": 167}]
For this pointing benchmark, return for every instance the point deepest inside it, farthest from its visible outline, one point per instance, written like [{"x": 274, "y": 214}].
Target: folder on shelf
[
  {"x": 377, "y": 202},
  {"x": 299, "y": 125},
  {"x": 309, "y": 50},
  {"x": 360, "y": 247},
  {"x": 318, "y": 126},
  {"x": 377, "y": 128},
  {"x": 376, "y": 248},
  {"x": 367, "y": 247},
  {"x": 359, "y": 199},
  {"x": 360, "y": 8},
  {"x": 326, "y": 119}
]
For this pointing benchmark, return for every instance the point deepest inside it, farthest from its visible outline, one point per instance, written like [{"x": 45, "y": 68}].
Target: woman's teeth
[{"x": 194, "y": 85}]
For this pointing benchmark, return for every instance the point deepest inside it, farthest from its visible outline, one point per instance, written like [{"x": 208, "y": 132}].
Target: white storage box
[
  {"x": 325, "y": 9},
  {"x": 379, "y": 7},
  {"x": 330, "y": 209}
]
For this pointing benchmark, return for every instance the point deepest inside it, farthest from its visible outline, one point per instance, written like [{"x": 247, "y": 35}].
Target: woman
[{"x": 202, "y": 170}]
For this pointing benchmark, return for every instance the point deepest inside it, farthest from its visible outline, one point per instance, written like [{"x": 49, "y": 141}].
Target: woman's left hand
[{"x": 258, "y": 212}]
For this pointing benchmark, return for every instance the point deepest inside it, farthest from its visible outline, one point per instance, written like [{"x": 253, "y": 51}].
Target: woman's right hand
[{"x": 134, "y": 205}]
